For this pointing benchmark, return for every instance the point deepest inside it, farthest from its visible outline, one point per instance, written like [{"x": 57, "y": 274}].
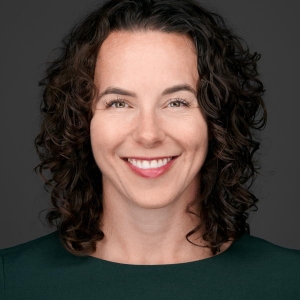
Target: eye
[
  {"x": 117, "y": 103},
  {"x": 178, "y": 102}
]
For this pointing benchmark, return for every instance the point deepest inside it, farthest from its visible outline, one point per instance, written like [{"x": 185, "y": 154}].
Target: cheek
[
  {"x": 102, "y": 137},
  {"x": 194, "y": 135}
]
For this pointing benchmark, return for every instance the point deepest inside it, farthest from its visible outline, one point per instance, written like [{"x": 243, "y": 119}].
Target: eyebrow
[
  {"x": 178, "y": 88},
  {"x": 170, "y": 90},
  {"x": 116, "y": 91}
]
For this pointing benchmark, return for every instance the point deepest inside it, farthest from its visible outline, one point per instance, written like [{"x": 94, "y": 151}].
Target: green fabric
[{"x": 250, "y": 269}]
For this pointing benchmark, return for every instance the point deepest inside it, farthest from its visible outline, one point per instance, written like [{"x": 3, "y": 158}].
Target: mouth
[
  {"x": 149, "y": 164},
  {"x": 150, "y": 167}
]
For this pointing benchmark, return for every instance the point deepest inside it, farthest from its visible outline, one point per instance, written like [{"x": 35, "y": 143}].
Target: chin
[{"x": 154, "y": 201}]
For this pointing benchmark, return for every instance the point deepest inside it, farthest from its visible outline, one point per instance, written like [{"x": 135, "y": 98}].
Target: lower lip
[{"x": 151, "y": 173}]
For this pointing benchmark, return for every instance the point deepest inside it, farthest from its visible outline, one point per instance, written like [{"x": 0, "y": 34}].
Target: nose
[{"x": 149, "y": 130}]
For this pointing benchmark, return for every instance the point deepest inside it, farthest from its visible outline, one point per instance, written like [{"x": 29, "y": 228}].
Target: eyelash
[
  {"x": 180, "y": 101},
  {"x": 115, "y": 101},
  {"x": 121, "y": 101}
]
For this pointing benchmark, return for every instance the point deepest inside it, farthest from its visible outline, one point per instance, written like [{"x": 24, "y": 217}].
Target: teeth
[
  {"x": 153, "y": 164},
  {"x": 149, "y": 164},
  {"x": 146, "y": 164},
  {"x": 139, "y": 164}
]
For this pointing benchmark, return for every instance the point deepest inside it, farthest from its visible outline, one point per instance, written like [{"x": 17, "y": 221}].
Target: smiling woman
[
  {"x": 149, "y": 119},
  {"x": 157, "y": 96}
]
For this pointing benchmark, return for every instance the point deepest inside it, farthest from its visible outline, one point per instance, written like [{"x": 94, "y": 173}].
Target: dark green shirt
[{"x": 250, "y": 269}]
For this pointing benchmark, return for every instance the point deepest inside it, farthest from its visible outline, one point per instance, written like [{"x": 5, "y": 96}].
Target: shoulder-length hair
[{"x": 229, "y": 94}]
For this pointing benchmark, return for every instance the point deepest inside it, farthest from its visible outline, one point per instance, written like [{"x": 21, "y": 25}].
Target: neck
[{"x": 137, "y": 235}]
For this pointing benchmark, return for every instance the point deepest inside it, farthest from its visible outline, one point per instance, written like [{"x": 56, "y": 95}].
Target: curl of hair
[{"x": 229, "y": 94}]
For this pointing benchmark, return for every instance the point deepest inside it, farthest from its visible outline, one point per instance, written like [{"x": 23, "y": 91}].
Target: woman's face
[{"x": 149, "y": 137}]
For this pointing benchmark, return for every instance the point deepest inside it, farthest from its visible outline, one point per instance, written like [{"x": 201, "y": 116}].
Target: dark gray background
[{"x": 31, "y": 29}]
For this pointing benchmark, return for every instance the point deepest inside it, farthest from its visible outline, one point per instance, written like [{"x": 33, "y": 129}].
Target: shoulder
[
  {"x": 44, "y": 249},
  {"x": 32, "y": 268},
  {"x": 32, "y": 262},
  {"x": 47, "y": 240},
  {"x": 259, "y": 249},
  {"x": 42, "y": 253},
  {"x": 263, "y": 259}
]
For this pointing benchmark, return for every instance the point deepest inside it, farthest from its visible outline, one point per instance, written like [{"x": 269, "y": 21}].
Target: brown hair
[{"x": 230, "y": 96}]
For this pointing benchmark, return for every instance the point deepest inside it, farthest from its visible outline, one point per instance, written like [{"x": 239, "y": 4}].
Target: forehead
[
  {"x": 151, "y": 56},
  {"x": 117, "y": 38},
  {"x": 146, "y": 43}
]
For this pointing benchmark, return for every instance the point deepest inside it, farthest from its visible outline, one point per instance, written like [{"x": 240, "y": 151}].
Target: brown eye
[
  {"x": 117, "y": 104},
  {"x": 178, "y": 103},
  {"x": 175, "y": 104},
  {"x": 120, "y": 104}
]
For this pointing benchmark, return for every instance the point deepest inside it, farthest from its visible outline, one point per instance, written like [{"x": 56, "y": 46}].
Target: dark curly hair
[{"x": 229, "y": 94}]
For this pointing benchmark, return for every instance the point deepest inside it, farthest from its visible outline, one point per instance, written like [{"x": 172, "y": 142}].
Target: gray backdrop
[{"x": 31, "y": 29}]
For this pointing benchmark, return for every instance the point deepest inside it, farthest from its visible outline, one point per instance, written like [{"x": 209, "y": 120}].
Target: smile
[
  {"x": 149, "y": 164},
  {"x": 150, "y": 168}
]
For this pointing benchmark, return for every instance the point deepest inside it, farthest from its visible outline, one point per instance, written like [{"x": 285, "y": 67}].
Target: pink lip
[{"x": 150, "y": 173}]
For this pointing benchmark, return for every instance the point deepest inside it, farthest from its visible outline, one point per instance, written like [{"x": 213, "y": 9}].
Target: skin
[{"x": 137, "y": 116}]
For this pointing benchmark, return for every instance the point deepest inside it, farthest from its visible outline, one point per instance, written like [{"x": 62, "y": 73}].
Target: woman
[{"x": 149, "y": 119}]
